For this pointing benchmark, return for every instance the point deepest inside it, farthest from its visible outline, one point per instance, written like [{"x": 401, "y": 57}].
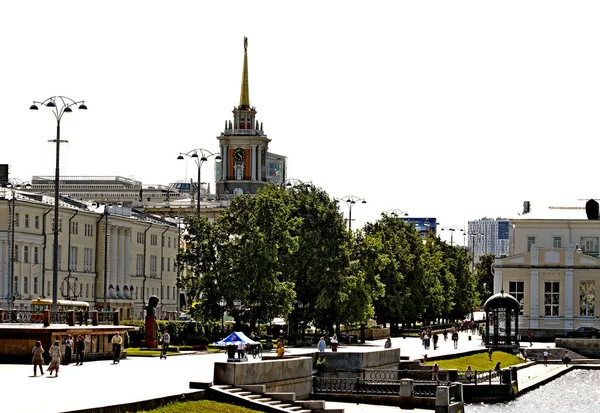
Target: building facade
[
  {"x": 488, "y": 236},
  {"x": 552, "y": 270},
  {"x": 112, "y": 258}
]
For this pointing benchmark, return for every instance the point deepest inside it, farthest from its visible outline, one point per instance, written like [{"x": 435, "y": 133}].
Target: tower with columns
[{"x": 243, "y": 146}]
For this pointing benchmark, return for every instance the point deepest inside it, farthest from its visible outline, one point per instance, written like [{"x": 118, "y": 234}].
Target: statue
[
  {"x": 152, "y": 303},
  {"x": 245, "y": 44},
  {"x": 150, "y": 339}
]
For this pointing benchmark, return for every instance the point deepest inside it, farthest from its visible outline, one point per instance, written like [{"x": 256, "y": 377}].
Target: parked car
[{"x": 584, "y": 332}]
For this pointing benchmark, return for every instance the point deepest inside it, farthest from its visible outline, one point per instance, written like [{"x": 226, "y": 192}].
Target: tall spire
[{"x": 245, "y": 93}]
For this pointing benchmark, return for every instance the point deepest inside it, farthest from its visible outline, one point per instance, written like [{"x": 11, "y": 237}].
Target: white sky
[{"x": 447, "y": 109}]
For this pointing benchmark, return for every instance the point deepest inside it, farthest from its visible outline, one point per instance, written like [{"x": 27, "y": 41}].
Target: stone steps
[{"x": 291, "y": 406}]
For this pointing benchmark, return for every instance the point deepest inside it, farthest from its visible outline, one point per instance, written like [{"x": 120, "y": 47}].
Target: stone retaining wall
[
  {"x": 588, "y": 347},
  {"x": 281, "y": 376}
]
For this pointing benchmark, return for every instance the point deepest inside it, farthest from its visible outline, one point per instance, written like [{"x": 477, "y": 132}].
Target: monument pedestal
[{"x": 150, "y": 337}]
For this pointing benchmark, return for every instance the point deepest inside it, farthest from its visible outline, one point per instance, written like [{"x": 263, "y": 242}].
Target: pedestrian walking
[
  {"x": 530, "y": 335},
  {"x": 435, "y": 341},
  {"x": 455, "y": 338},
  {"x": 546, "y": 357},
  {"x": 322, "y": 344},
  {"x": 68, "y": 350},
  {"x": 37, "y": 360},
  {"x": 116, "y": 342},
  {"x": 490, "y": 353},
  {"x": 445, "y": 334},
  {"x": 56, "y": 356},
  {"x": 334, "y": 343},
  {"x": 79, "y": 350},
  {"x": 165, "y": 340},
  {"x": 435, "y": 372},
  {"x": 566, "y": 358}
]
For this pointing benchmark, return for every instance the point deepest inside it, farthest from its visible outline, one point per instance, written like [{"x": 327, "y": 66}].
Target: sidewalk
[{"x": 101, "y": 383}]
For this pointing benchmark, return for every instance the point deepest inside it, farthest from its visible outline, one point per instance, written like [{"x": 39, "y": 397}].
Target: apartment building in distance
[{"x": 489, "y": 236}]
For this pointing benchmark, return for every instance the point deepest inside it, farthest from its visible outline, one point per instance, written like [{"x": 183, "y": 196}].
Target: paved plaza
[{"x": 101, "y": 383}]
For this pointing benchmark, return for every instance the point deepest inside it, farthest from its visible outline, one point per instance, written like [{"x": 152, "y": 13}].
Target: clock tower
[{"x": 243, "y": 146}]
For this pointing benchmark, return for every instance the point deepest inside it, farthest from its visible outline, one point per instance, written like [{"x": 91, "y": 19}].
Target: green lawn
[
  {"x": 202, "y": 406},
  {"x": 137, "y": 352},
  {"x": 478, "y": 361}
]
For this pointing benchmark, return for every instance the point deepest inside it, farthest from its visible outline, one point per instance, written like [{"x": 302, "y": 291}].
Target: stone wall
[
  {"x": 588, "y": 347},
  {"x": 346, "y": 364},
  {"x": 278, "y": 376}
]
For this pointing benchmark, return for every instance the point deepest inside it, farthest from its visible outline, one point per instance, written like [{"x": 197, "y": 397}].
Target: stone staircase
[
  {"x": 556, "y": 354},
  {"x": 268, "y": 402}
]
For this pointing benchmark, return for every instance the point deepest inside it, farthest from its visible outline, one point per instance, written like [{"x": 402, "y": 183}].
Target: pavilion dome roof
[{"x": 501, "y": 300}]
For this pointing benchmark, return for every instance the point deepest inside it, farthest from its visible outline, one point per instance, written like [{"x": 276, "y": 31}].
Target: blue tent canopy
[{"x": 235, "y": 338}]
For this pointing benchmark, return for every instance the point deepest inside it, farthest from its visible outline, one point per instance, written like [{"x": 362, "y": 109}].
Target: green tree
[
  {"x": 399, "y": 265},
  {"x": 240, "y": 258},
  {"x": 319, "y": 265},
  {"x": 485, "y": 277}
]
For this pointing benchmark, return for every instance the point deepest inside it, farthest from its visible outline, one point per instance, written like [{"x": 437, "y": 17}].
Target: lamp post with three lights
[
  {"x": 351, "y": 200},
  {"x": 200, "y": 156},
  {"x": 452, "y": 229},
  {"x": 59, "y": 105}
]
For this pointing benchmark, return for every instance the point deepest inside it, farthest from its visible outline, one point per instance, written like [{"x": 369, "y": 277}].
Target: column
[
  {"x": 128, "y": 260},
  {"x": 225, "y": 162},
  {"x": 253, "y": 162},
  {"x": 113, "y": 259},
  {"x": 22, "y": 273},
  {"x": 121, "y": 262},
  {"x": 3, "y": 271},
  {"x": 497, "y": 281},
  {"x": 106, "y": 260},
  {"x": 533, "y": 299},
  {"x": 569, "y": 295},
  {"x": 259, "y": 163}
]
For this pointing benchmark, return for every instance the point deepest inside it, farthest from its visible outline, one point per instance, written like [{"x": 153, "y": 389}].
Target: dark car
[{"x": 584, "y": 332}]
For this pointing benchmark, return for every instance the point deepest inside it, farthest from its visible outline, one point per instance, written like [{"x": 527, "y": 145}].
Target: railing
[
  {"x": 69, "y": 317},
  {"x": 479, "y": 377},
  {"x": 462, "y": 376},
  {"x": 59, "y": 317},
  {"x": 396, "y": 375},
  {"x": 106, "y": 317},
  {"x": 376, "y": 387}
]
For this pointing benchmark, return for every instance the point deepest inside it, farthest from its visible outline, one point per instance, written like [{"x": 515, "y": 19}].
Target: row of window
[
  {"x": 85, "y": 292},
  {"x": 141, "y": 236},
  {"x": 588, "y": 245},
  {"x": 88, "y": 254},
  {"x": 89, "y": 231},
  {"x": 587, "y": 297}
]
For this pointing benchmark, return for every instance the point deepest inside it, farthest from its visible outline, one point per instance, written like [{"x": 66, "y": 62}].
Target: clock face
[{"x": 239, "y": 155}]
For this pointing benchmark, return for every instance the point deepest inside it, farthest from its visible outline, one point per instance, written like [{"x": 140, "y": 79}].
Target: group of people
[
  {"x": 323, "y": 344},
  {"x": 56, "y": 356},
  {"x": 428, "y": 335}
]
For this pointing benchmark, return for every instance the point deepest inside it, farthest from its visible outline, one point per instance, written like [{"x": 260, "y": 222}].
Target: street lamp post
[
  {"x": 396, "y": 212},
  {"x": 200, "y": 156},
  {"x": 222, "y": 304},
  {"x": 60, "y": 105},
  {"x": 351, "y": 200},
  {"x": 13, "y": 185},
  {"x": 452, "y": 229}
]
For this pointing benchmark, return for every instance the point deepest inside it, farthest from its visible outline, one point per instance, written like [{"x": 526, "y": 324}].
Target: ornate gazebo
[{"x": 502, "y": 320}]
